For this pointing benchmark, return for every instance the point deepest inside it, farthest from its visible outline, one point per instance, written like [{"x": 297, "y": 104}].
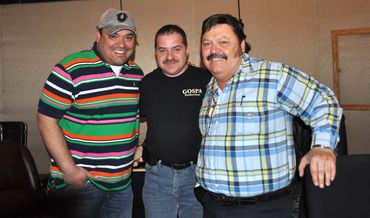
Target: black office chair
[
  {"x": 15, "y": 131},
  {"x": 302, "y": 134},
  {"x": 21, "y": 193},
  {"x": 349, "y": 194}
]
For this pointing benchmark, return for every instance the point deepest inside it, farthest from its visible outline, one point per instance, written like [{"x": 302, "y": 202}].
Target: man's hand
[
  {"x": 322, "y": 166},
  {"x": 77, "y": 177},
  {"x": 138, "y": 153}
]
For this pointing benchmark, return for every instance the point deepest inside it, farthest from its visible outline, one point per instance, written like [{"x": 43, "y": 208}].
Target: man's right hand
[{"x": 56, "y": 144}]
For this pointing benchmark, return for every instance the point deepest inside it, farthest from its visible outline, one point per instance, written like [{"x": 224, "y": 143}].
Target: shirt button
[{"x": 249, "y": 116}]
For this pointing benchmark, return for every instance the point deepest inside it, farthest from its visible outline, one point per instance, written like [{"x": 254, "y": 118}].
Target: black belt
[
  {"x": 224, "y": 200},
  {"x": 152, "y": 160},
  {"x": 177, "y": 166}
]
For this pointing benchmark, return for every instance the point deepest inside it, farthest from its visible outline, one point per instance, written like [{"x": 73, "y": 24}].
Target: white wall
[
  {"x": 335, "y": 15},
  {"x": 36, "y": 36}
]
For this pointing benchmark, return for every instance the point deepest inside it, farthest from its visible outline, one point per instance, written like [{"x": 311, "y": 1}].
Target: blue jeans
[
  {"x": 168, "y": 193},
  {"x": 92, "y": 202}
]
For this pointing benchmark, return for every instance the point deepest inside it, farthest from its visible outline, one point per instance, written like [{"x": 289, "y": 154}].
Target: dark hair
[
  {"x": 237, "y": 26},
  {"x": 169, "y": 29},
  {"x": 100, "y": 30}
]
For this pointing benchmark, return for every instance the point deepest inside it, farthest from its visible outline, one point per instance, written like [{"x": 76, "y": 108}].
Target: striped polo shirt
[{"x": 98, "y": 114}]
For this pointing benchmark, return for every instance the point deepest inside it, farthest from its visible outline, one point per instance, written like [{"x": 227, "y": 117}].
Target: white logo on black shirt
[{"x": 192, "y": 92}]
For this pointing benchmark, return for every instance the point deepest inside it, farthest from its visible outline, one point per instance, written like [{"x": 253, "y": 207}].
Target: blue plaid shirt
[{"x": 247, "y": 147}]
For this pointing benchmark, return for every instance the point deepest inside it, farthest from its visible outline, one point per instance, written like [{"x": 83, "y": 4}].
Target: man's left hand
[{"x": 322, "y": 166}]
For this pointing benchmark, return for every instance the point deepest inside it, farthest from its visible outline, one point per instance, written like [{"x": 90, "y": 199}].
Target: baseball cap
[{"x": 114, "y": 20}]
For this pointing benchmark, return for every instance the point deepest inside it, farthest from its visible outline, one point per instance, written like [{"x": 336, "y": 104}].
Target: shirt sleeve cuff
[{"x": 324, "y": 139}]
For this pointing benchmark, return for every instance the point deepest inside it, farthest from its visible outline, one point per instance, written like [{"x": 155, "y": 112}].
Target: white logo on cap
[{"x": 121, "y": 17}]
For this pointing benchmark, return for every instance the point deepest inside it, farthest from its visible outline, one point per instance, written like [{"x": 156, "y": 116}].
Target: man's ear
[
  {"x": 97, "y": 35},
  {"x": 242, "y": 45}
]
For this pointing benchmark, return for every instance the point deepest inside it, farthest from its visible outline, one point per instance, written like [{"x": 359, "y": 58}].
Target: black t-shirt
[{"x": 171, "y": 107}]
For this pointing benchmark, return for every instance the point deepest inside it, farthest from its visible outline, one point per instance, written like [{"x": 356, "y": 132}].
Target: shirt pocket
[{"x": 247, "y": 120}]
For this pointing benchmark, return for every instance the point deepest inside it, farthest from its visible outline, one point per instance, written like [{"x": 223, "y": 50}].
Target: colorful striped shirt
[
  {"x": 99, "y": 115},
  {"x": 247, "y": 141}
]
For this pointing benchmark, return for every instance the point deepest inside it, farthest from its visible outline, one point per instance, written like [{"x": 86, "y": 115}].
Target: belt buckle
[{"x": 180, "y": 166}]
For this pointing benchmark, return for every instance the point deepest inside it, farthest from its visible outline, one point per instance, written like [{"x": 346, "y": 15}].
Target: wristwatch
[{"x": 322, "y": 146}]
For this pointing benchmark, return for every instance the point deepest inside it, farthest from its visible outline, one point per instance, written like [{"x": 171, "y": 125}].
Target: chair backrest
[
  {"x": 19, "y": 180},
  {"x": 347, "y": 196},
  {"x": 302, "y": 134},
  {"x": 15, "y": 131}
]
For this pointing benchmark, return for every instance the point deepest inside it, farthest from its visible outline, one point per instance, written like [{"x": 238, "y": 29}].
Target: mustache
[
  {"x": 212, "y": 56},
  {"x": 168, "y": 61}
]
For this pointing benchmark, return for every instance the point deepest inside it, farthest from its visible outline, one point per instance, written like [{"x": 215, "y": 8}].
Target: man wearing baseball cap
[{"x": 88, "y": 119}]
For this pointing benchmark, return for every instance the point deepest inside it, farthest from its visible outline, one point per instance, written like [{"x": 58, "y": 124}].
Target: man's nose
[
  {"x": 121, "y": 42},
  {"x": 214, "y": 48},
  {"x": 169, "y": 55}
]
